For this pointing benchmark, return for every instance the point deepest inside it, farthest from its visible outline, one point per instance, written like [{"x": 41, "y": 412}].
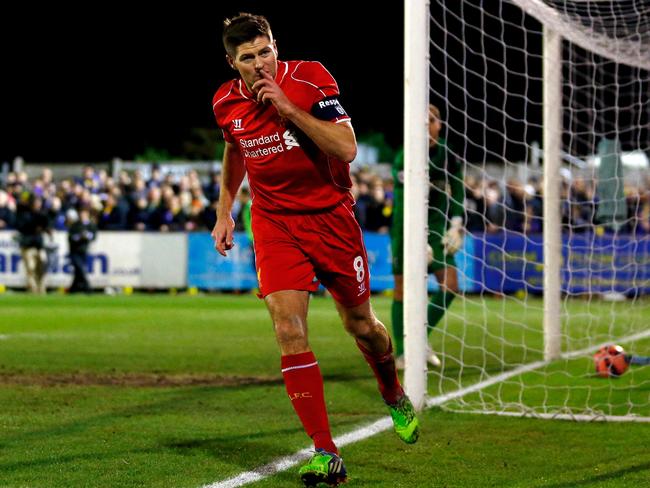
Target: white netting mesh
[
  {"x": 615, "y": 29},
  {"x": 486, "y": 77}
]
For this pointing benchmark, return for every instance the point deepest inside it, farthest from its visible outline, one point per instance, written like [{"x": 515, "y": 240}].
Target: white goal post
[
  {"x": 556, "y": 262},
  {"x": 416, "y": 142}
]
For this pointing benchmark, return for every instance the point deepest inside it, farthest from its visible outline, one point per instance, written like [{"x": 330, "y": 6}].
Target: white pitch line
[
  {"x": 386, "y": 423},
  {"x": 46, "y": 336},
  {"x": 24, "y": 335},
  {"x": 285, "y": 463},
  {"x": 565, "y": 416}
]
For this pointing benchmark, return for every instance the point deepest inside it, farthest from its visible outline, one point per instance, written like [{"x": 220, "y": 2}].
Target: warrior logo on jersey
[{"x": 236, "y": 123}]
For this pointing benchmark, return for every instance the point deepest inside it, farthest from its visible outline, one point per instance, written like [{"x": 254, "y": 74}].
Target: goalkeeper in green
[{"x": 446, "y": 197}]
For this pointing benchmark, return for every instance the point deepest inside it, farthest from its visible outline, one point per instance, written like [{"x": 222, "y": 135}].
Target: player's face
[
  {"x": 251, "y": 58},
  {"x": 434, "y": 127}
]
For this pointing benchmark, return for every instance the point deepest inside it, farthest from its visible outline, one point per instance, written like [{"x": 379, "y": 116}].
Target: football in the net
[{"x": 611, "y": 360}]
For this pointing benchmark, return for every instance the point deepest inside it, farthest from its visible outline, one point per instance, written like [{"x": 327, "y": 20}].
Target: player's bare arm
[
  {"x": 233, "y": 172},
  {"x": 336, "y": 140}
]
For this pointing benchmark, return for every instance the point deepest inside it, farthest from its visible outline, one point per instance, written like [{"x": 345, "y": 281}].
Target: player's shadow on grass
[
  {"x": 216, "y": 445},
  {"x": 593, "y": 480},
  {"x": 71, "y": 458},
  {"x": 253, "y": 443},
  {"x": 183, "y": 400},
  {"x": 169, "y": 399},
  {"x": 158, "y": 402}
]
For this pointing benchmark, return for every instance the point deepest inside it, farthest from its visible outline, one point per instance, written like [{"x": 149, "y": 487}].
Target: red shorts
[{"x": 300, "y": 251}]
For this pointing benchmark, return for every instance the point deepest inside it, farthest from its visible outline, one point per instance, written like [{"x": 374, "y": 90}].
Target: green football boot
[
  {"x": 323, "y": 467},
  {"x": 405, "y": 421}
]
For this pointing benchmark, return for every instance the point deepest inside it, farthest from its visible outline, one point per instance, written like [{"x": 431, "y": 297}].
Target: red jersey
[{"x": 286, "y": 170}]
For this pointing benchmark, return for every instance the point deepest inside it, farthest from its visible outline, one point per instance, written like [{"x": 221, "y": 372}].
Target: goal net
[{"x": 553, "y": 139}]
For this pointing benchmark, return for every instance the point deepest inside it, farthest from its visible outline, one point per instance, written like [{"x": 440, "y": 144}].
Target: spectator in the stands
[
  {"x": 377, "y": 212},
  {"x": 173, "y": 218},
  {"x": 56, "y": 214},
  {"x": 212, "y": 189},
  {"x": 198, "y": 202},
  {"x": 114, "y": 214},
  {"x": 474, "y": 205},
  {"x": 638, "y": 210},
  {"x": 139, "y": 215},
  {"x": 534, "y": 208},
  {"x": 89, "y": 179},
  {"x": 156, "y": 178},
  {"x": 125, "y": 182},
  {"x": 361, "y": 193},
  {"x": 209, "y": 215},
  {"x": 515, "y": 205},
  {"x": 581, "y": 206},
  {"x": 494, "y": 209},
  {"x": 138, "y": 189},
  {"x": 7, "y": 211}
]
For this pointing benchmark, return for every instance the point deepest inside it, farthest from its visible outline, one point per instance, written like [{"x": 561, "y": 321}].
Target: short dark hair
[{"x": 244, "y": 28}]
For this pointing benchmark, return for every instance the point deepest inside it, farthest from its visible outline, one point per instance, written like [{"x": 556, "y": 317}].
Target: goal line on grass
[{"x": 386, "y": 423}]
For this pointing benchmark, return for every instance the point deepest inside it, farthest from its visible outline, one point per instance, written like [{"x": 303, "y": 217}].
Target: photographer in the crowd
[
  {"x": 32, "y": 223},
  {"x": 81, "y": 232}
]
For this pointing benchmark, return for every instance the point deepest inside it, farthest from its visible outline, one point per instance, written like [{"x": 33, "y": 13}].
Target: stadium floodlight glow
[
  {"x": 631, "y": 159},
  {"x": 574, "y": 74}
]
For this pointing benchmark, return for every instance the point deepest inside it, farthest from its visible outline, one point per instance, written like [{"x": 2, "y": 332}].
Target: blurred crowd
[
  {"x": 129, "y": 202},
  {"x": 166, "y": 203}
]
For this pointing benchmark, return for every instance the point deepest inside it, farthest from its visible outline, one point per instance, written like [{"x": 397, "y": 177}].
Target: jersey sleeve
[
  {"x": 227, "y": 136},
  {"x": 325, "y": 92},
  {"x": 217, "y": 109}
]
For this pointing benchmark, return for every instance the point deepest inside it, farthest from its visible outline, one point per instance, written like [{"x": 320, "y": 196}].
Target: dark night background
[
  {"x": 90, "y": 85},
  {"x": 82, "y": 85}
]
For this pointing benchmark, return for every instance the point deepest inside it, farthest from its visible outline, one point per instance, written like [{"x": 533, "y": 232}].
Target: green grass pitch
[{"x": 182, "y": 391}]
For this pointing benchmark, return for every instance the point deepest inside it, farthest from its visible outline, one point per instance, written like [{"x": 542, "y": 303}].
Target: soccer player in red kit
[{"x": 284, "y": 126}]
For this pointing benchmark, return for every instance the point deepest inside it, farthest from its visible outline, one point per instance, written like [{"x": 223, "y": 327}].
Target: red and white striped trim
[
  {"x": 225, "y": 96},
  {"x": 302, "y": 366}
]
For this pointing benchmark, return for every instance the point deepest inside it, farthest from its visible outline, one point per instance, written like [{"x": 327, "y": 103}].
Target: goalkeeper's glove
[{"x": 453, "y": 238}]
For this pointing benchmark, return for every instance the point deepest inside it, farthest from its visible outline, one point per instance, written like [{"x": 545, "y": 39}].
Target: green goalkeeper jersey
[
  {"x": 446, "y": 193},
  {"x": 446, "y": 199}
]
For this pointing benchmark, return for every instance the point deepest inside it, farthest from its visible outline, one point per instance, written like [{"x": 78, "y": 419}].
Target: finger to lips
[
  {"x": 261, "y": 94},
  {"x": 258, "y": 90}
]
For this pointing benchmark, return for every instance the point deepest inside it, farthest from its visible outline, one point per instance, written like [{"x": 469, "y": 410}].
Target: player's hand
[
  {"x": 223, "y": 234},
  {"x": 267, "y": 90},
  {"x": 453, "y": 238}
]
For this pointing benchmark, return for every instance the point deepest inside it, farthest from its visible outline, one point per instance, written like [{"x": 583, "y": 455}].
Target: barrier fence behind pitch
[
  {"x": 503, "y": 263},
  {"x": 116, "y": 259}
]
